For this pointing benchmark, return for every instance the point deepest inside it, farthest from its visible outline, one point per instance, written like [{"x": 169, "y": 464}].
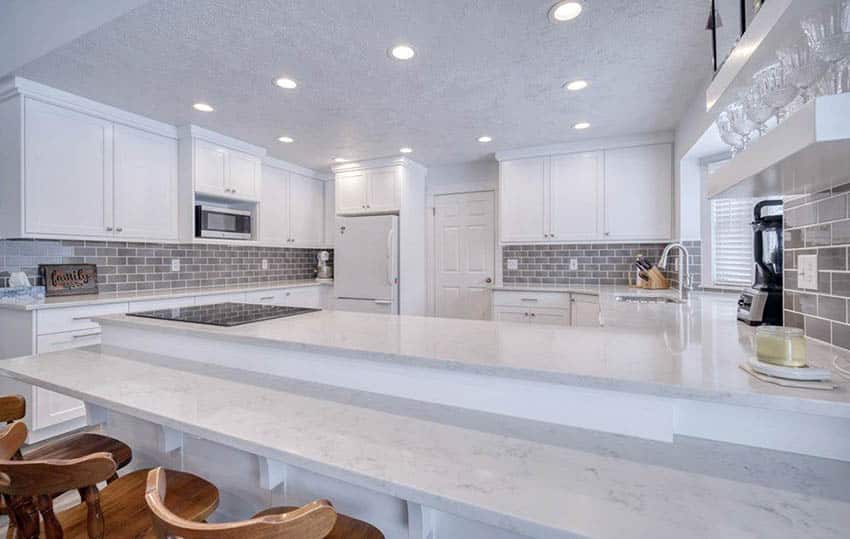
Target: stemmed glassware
[
  {"x": 837, "y": 81},
  {"x": 757, "y": 110},
  {"x": 828, "y": 33},
  {"x": 775, "y": 88},
  {"x": 802, "y": 67},
  {"x": 728, "y": 135}
]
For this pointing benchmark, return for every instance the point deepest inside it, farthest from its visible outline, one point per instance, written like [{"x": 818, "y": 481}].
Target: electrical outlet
[
  {"x": 513, "y": 264},
  {"x": 265, "y": 264},
  {"x": 807, "y": 272},
  {"x": 573, "y": 264},
  {"x": 175, "y": 264}
]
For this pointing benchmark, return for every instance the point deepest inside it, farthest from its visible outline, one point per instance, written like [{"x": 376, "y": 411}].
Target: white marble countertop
[
  {"x": 690, "y": 350},
  {"x": 119, "y": 297},
  {"x": 532, "y": 488}
]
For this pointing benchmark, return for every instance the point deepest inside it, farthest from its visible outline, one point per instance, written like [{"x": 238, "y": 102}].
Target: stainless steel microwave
[{"x": 223, "y": 223}]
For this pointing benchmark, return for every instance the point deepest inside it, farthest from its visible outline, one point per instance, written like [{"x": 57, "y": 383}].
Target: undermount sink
[{"x": 648, "y": 299}]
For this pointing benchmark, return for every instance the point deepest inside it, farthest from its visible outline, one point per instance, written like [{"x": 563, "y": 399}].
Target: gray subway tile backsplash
[
  {"x": 147, "y": 266},
  {"x": 819, "y": 224},
  {"x": 598, "y": 263}
]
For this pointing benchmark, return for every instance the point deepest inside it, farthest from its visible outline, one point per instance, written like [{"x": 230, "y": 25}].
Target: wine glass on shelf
[
  {"x": 828, "y": 33},
  {"x": 775, "y": 88},
  {"x": 837, "y": 81},
  {"x": 802, "y": 67},
  {"x": 741, "y": 123},
  {"x": 728, "y": 135},
  {"x": 757, "y": 110}
]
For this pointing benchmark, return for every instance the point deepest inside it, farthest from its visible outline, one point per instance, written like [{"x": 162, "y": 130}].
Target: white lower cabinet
[{"x": 552, "y": 308}]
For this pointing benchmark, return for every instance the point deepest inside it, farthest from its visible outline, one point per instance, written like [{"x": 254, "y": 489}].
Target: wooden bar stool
[
  {"x": 118, "y": 511},
  {"x": 316, "y": 520}
]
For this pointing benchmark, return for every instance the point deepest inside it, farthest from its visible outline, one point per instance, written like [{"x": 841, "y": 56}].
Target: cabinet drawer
[
  {"x": 270, "y": 297},
  {"x": 75, "y": 318},
  {"x": 238, "y": 297},
  {"x": 513, "y": 298},
  {"x": 71, "y": 339},
  {"x": 154, "y": 305},
  {"x": 303, "y": 297},
  {"x": 533, "y": 315}
]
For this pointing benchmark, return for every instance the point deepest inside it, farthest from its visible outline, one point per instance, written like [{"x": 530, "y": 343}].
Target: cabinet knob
[
  {"x": 488, "y": 280},
  {"x": 526, "y": 314},
  {"x": 119, "y": 229},
  {"x": 532, "y": 315},
  {"x": 109, "y": 229}
]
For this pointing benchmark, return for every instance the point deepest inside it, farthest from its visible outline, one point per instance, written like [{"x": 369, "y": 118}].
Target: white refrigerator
[{"x": 366, "y": 264}]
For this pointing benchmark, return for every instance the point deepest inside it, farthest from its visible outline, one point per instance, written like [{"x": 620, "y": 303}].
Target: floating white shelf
[
  {"x": 776, "y": 25},
  {"x": 808, "y": 152}
]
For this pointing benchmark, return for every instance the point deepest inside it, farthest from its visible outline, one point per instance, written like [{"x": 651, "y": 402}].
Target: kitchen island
[{"x": 479, "y": 429}]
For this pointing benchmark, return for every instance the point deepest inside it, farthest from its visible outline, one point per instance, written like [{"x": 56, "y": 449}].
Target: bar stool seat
[{"x": 79, "y": 445}]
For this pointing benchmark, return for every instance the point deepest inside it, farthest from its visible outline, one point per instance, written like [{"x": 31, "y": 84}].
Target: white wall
[{"x": 30, "y": 29}]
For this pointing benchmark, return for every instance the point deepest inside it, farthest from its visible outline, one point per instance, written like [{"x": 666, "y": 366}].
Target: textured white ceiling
[{"x": 482, "y": 66}]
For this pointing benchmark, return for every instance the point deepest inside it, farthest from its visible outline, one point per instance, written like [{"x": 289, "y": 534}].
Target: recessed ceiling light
[
  {"x": 203, "y": 107},
  {"x": 406, "y": 150},
  {"x": 581, "y": 125},
  {"x": 485, "y": 138},
  {"x": 285, "y": 83},
  {"x": 340, "y": 160},
  {"x": 286, "y": 140},
  {"x": 576, "y": 85},
  {"x": 402, "y": 52},
  {"x": 564, "y": 11}
]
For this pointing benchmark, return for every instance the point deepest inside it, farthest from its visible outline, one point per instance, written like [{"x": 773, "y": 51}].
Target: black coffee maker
[{"x": 762, "y": 303}]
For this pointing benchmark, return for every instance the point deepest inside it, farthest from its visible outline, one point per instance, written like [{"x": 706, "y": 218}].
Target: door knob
[{"x": 488, "y": 280}]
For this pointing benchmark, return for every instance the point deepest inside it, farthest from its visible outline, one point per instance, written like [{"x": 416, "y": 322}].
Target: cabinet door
[
  {"x": 145, "y": 185},
  {"x": 210, "y": 168},
  {"x": 576, "y": 197},
  {"x": 383, "y": 189},
  {"x": 584, "y": 311},
  {"x": 308, "y": 296},
  {"x": 306, "y": 197},
  {"x": 555, "y": 317},
  {"x": 351, "y": 192},
  {"x": 511, "y": 314},
  {"x": 274, "y": 207},
  {"x": 638, "y": 192},
  {"x": 521, "y": 199},
  {"x": 68, "y": 178},
  {"x": 243, "y": 177},
  {"x": 330, "y": 213}
]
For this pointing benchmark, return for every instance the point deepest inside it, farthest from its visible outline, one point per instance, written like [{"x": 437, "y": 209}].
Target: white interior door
[
  {"x": 464, "y": 244},
  {"x": 365, "y": 257}
]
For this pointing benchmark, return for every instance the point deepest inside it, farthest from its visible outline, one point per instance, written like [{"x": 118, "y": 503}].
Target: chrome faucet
[{"x": 684, "y": 271}]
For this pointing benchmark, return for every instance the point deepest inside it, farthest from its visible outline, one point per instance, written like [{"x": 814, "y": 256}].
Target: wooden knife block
[{"x": 655, "y": 281}]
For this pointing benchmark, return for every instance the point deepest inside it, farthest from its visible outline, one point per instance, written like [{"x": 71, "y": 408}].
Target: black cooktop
[{"x": 224, "y": 314}]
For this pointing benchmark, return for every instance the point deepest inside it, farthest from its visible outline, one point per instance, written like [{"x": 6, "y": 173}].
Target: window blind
[{"x": 732, "y": 241}]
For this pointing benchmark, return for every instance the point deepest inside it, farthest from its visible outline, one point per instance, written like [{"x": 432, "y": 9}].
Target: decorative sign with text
[{"x": 68, "y": 279}]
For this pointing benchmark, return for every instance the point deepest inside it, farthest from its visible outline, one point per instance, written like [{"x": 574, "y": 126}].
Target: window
[{"x": 732, "y": 241}]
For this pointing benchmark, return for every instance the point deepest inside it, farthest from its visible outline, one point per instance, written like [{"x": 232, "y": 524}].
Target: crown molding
[
  {"x": 378, "y": 163},
  {"x": 591, "y": 145}
]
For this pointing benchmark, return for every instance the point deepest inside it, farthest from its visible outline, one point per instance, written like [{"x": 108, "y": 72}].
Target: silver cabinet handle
[
  {"x": 83, "y": 335},
  {"x": 79, "y": 318},
  {"x": 267, "y": 298},
  {"x": 529, "y": 299},
  {"x": 383, "y": 302}
]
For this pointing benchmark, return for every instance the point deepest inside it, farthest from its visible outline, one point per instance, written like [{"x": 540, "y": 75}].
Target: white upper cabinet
[
  {"x": 621, "y": 194},
  {"x": 638, "y": 193},
  {"x": 145, "y": 185},
  {"x": 383, "y": 189},
  {"x": 368, "y": 191},
  {"x": 244, "y": 175},
  {"x": 210, "y": 168},
  {"x": 292, "y": 209},
  {"x": 68, "y": 172},
  {"x": 307, "y": 211},
  {"x": 522, "y": 199},
  {"x": 274, "y": 211},
  {"x": 576, "y": 197},
  {"x": 225, "y": 172}
]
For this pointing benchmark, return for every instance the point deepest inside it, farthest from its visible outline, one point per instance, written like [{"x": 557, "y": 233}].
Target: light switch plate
[
  {"x": 573, "y": 264},
  {"x": 513, "y": 264},
  {"x": 807, "y": 272},
  {"x": 175, "y": 264}
]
